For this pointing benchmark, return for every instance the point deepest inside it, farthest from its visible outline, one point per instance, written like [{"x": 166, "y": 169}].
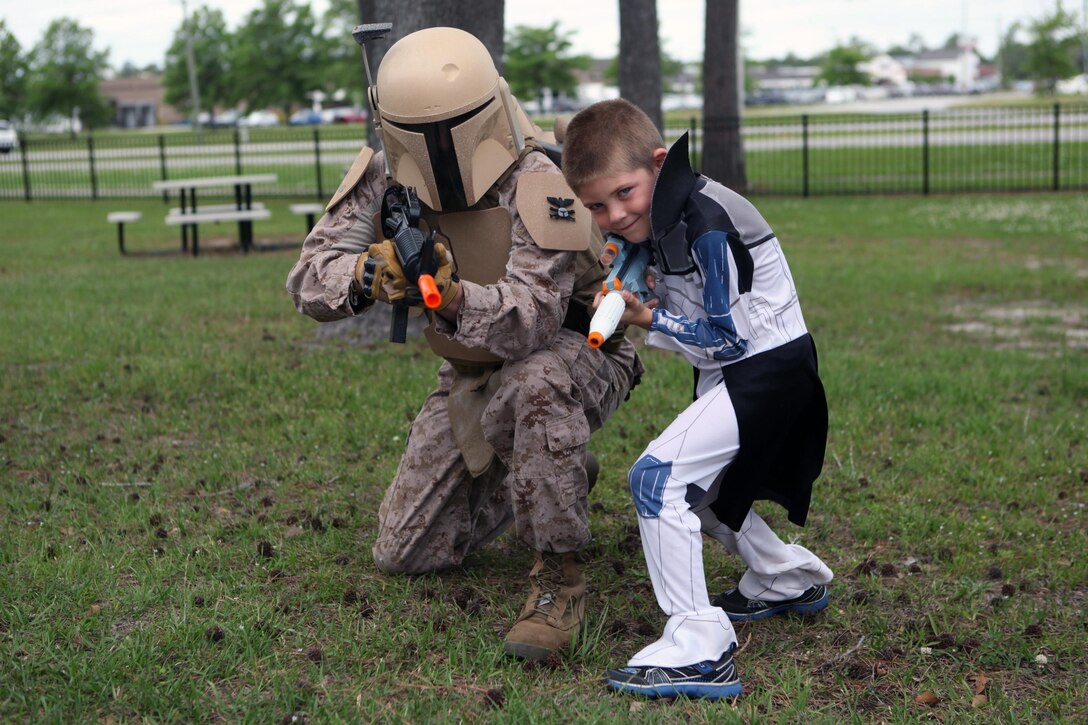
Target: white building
[
  {"x": 884, "y": 70},
  {"x": 958, "y": 66}
]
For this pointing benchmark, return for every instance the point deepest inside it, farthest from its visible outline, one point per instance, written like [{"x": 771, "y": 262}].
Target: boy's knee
[{"x": 646, "y": 479}]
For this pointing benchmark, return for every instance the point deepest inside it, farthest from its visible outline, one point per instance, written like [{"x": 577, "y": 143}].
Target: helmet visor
[{"x": 444, "y": 185}]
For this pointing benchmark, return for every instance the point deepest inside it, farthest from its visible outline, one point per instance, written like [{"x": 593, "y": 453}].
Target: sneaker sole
[
  {"x": 800, "y": 608},
  {"x": 701, "y": 691}
]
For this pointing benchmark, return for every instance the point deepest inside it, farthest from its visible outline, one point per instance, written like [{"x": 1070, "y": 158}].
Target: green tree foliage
[
  {"x": 13, "y": 75},
  {"x": 1053, "y": 47},
  {"x": 840, "y": 67},
  {"x": 537, "y": 63},
  {"x": 211, "y": 58},
  {"x": 1012, "y": 55},
  {"x": 342, "y": 67},
  {"x": 64, "y": 73},
  {"x": 276, "y": 57}
]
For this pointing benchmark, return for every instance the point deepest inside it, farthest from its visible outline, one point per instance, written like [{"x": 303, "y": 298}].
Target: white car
[
  {"x": 260, "y": 119},
  {"x": 8, "y": 138},
  {"x": 1074, "y": 85}
]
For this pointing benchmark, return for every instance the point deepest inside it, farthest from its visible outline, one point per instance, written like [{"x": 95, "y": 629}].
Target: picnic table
[{"x": 243, "y": 211}]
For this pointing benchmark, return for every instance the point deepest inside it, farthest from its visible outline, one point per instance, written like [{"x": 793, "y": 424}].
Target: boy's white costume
[{"x": 757, "y": 428}]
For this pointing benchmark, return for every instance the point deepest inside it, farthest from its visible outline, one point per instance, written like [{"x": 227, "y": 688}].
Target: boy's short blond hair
[{"x": 609, "y": 137}]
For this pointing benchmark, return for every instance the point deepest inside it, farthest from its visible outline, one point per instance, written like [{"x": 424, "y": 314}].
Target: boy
[{"x": 727, "y": 303}]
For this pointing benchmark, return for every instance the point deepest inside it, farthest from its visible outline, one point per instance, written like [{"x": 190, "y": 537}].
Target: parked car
[
  {"x": 226, "y": 119},
  {"x": 1074, "y": 85},
  {"x": 345, "y": 114},
  {"x": 305, "y": 117},
  {"x": 8, "y": 138},
  {"x": 260, "y": 119}
]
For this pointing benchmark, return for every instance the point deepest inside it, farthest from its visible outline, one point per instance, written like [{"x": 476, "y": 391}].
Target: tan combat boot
[{"x": 552, "y": 617}]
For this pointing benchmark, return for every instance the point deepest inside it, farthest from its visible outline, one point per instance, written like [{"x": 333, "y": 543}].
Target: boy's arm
[{"x": 715, "y": 337}]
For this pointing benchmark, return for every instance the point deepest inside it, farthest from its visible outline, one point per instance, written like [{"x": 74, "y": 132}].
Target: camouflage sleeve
[
  {"x": 320, "y": 282},
  {"x": 522, "y": 311}
]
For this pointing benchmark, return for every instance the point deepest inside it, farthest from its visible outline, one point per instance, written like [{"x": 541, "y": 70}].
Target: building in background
[
  {"x": 137, "y": 101},
  {"x": 957, "y": 67}
]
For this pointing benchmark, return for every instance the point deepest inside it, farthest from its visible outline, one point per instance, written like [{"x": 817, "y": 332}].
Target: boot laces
[{"x": 548, "y": 580}]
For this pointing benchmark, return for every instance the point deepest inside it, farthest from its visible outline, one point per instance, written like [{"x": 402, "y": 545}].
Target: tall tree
[
  {"x": 1012, "y": 56},
  {"x": 670, "y": 68},
  {"x": 639, "y": 71},
  {"x": 1052, "y": 50},
  {"x": 342, "y": 61},
  {"x": 13, "y": 70},
  {"x": 212, "y": 43},
  {"x": 274, "y": 60},
  {"x": 539, "y": 63},
  {"x": 64, "y": 73},
  {"x": 723, "y": 147},
  {"x": 481, "y": 18},
  {"x": 840, "y": 67}
]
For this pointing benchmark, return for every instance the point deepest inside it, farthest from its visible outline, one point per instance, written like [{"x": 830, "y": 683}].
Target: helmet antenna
[{"x": 365, "y": 33}]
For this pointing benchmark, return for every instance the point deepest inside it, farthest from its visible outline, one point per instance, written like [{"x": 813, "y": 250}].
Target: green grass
[{"x": 190, "y": 477}]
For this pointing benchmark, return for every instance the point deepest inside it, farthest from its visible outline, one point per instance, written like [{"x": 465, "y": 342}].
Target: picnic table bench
[{"x": 189, "y": 214}]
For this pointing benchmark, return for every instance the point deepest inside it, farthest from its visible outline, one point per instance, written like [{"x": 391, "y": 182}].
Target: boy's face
[{"x": 620, "y": 202}]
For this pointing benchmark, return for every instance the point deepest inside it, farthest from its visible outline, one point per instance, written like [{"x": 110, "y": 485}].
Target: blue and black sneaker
[
  {"x": 710, "y": 680},
  {"x": 740, "y": 608}
]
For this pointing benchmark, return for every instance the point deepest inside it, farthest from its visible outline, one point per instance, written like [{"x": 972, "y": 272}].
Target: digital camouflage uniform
[{"x": 546, "y": 394}]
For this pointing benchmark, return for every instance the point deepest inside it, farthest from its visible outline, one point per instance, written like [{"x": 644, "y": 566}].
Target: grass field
[{"x": 190, "y": 477}]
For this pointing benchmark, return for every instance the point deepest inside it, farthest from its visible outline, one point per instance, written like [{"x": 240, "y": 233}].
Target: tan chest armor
[
  {"x": 480, "y": 241},
  {"x": 480, "y": 245}
]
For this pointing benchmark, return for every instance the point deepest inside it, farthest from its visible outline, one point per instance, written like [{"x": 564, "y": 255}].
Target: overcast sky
[{"x": 140, "y": 30}]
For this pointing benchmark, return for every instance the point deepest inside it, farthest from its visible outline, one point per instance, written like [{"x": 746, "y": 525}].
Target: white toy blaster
[{"x": 629, "y": 262}]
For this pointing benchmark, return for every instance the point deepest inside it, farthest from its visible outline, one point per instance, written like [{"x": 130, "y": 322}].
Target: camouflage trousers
[{"x": 538, "y": 422}]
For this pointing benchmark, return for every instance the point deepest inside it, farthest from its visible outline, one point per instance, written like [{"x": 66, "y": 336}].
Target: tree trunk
[
  {"x": 640, "y": 57},
  {"x": 723, "y": 148},
  {"x": 482, "y": 18}
]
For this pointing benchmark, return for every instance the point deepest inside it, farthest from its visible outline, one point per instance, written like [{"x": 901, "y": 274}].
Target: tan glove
[
  {"x": 378, "y": 273},
  {"x": 444, "y": 277}
]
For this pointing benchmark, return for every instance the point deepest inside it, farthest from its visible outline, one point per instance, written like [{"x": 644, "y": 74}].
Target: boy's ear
[{"x": 659, "y": 157}]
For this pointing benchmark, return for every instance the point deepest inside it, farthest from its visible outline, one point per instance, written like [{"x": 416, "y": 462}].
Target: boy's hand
[{"x": 636, "y": 312}]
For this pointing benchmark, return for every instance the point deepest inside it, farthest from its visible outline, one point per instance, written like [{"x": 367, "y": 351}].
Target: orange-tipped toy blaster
[
  {"x": 629, "y": 262},
  {"x": 415, "y": 252}
]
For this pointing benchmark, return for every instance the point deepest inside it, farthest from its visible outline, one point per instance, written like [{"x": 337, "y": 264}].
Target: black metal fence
[{"x": 982, "y": 149}]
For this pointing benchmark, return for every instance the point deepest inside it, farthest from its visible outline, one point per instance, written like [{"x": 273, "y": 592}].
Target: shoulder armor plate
[
  {"x": 352, "y": 177},
  {"x": 552, "y": 213}
]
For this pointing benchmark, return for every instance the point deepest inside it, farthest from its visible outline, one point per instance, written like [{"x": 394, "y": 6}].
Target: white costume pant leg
[
  {"x": 680, "y": 464},
  {"x": 776, "y": 570},
  {"x": 670, "y": 484}
]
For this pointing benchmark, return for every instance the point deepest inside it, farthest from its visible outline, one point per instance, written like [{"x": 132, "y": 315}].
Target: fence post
[
  {"x": 1057, "y": 146},
  {"x": 94, "y": 176},
  {"x": 317, "y": 162},
  {"x": 26, "y": 167},
  {"x": 804, "y": 154},
  {"x": 925, "y": 150},
  {"x": 162, "y": 166},
  {"x": 237, "y": 152}
]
